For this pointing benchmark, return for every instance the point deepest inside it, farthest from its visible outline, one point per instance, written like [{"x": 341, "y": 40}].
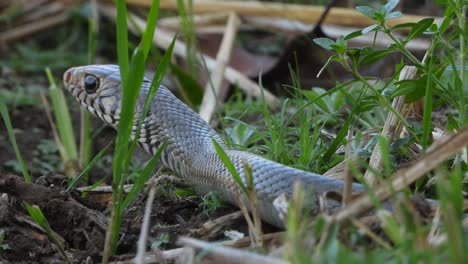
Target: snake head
[{"x": 97, "y": 88}]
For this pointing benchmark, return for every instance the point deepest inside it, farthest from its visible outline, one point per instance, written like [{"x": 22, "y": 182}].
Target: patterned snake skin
[{"x": 190, "y": 152}]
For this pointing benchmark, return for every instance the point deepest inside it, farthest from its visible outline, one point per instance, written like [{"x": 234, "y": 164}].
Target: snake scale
[{"x": 190, "y": 152}]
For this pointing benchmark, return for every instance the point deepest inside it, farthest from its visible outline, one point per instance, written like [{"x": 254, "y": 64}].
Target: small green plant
[
  {"x": 36, "y": 214},
  {"x": 161, "y": 240},
  {"x": 2, "y": 240},
  {"x": 210, "y": 203},
  {"x": 11, "y": 135}
]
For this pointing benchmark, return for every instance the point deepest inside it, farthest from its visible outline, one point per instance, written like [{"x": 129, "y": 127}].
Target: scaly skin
[{"x": 190, "y": 152}]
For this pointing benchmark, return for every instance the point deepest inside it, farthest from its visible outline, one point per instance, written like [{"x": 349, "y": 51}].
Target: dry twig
[
  {"x": 213, "y": 86},
  {"x": 163, "y": 39},
  {"x": 303, "y": 13},
  {"x": 436, "y": 154},
  {"x": 222, "y": 254},
  {"x": 391, "y": 128}
]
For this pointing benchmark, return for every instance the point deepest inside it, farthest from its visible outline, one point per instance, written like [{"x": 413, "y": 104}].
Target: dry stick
[
  {"x": 170, "y": 256},
  {"x": 303, "y": 13},
  {"x": 210, "y": 23},
  {"x": 173, "y": 23},
  {"x": 390, "y": 129},
  {"x": 43, "y": 11},
  {"x": 438, "y": 152},
  {"x": 332, "y": 31},
  {"x": 213, "y": 227},
  {"x": 245, "y": 242},
  {"x": 52, "y": 125},
  {"x": 139, "y": 258},
  {"x": 31, "y": 28},
  {"x": 221, "y": 254},
  {"x": 348, "y": 177},
  {"x": 163, "y": 39},
  {"x": 213, "y": 87}
]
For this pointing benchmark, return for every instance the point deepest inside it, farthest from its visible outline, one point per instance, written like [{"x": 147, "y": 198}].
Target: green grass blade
[
  {"x": 122, "y": 39},
  {"x": 147, "y": 37},
  {"x": 11, "y": 135},
  {"x": 227, "y": 162},
  {"x": 90, "y": 165},
  {"x": 427, "y": 114},
  {"x": 143, "y": 177},
  {"x": 155, "y": 83},
  {"x": 36, "y": 214},
  {"x": 63, "y": 119},
  {"x": 131, "y": 77}
]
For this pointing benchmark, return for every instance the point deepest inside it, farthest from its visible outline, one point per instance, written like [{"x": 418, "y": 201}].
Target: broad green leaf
[
  {"x": 375, "y": 56},
  {"x": 369, "y": 28},
  {"x": 354, "y": 34},
  {"x": 419, "y": 28},
  {"x": 367, "y": 11},
  {"x": 393, "y": 15},
  {"x": 388, "y": 7},
  {"x": 325, "y": 43}
]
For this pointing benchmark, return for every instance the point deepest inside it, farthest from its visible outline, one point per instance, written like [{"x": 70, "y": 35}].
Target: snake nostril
[{"x": 67, "y": 76}]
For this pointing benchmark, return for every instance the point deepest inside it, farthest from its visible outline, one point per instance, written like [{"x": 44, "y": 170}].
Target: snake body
[{"x": 190, "y": 152}]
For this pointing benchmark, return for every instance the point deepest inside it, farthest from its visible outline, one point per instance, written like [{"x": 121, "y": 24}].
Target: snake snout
[{"x": 67, "y": 76}]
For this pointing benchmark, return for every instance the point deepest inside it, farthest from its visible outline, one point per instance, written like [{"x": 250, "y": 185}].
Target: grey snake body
[{"x": 190, "y": 152}]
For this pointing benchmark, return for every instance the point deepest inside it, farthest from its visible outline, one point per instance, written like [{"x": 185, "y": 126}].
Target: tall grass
[
  {"x": 132, "y": 72},
  {"x": 292, "y": 140},
  {"x": 11, "y": 135}
]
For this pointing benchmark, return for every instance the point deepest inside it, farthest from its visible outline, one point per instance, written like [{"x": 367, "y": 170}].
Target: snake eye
[{"x": 91, "y": 83}]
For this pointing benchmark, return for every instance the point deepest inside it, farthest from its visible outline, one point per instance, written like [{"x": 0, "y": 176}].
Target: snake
[{"x": 189, "y": 149}]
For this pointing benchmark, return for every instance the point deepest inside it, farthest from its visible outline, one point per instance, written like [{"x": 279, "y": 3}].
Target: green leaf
[
  {"x": 367, "y": 11},
  {"x": 369, "y": 29},
  {"x": 388, "y": 7},
  {"x": 403, "y": 25},
  {"x": 354, "y": 34},
  {"x": 419, "y": 28},
  {"x": 325, "y": 43},
  {"x": 320, "y": 101},
  {"x": 374, "y": 56},
  {"x": 393, "y": 15}
]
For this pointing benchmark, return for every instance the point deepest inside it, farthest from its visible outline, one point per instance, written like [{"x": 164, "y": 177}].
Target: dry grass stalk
[
  {"x": 303, "y": 13},
  {"x": 141, "y": 250},
  {"x": 173, "y": 23},
  {"x": 31, "y": 28},
  {"x": 213, "y": 87},
  {"x": 391, "y": 128},
  {"x": 103, "y": 189},
  {"x": 177, "y": 255},
  {"x": 221, "y": 254},
  {"x": 210, "y": 23},
  {"x": 332, "y": 31},
  {"x": 271, "y": 238},
  {"x": 348, "y": 176},
  {"x": 214, "y": 227},
  {"x": 371, "y": 234},
  {"x": 439, "y": 152},
  {"x": 164, "y": 38}
]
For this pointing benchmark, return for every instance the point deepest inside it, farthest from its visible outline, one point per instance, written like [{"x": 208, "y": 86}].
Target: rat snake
[{"x": 189, "y": 150}]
